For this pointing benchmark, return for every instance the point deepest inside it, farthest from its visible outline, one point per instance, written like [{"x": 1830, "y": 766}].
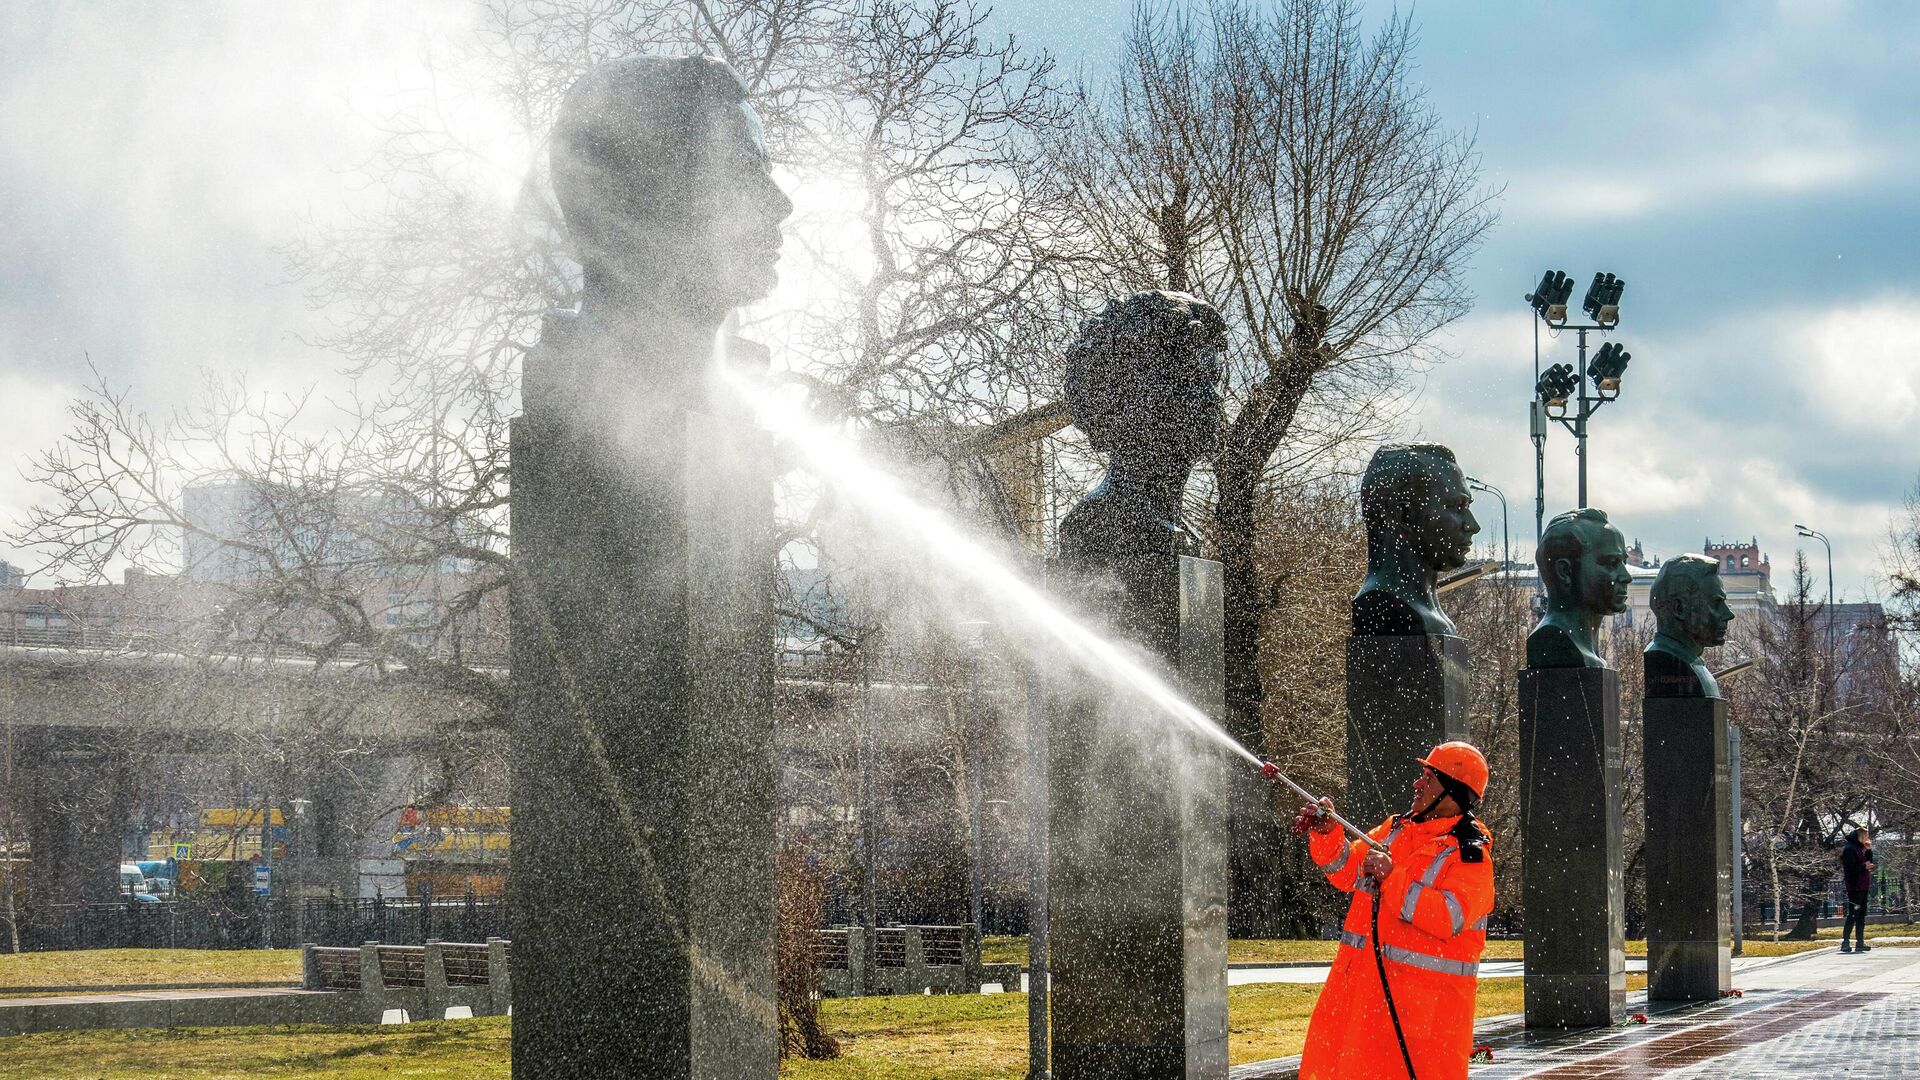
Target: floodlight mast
[{"x": 1596, "y": 384}]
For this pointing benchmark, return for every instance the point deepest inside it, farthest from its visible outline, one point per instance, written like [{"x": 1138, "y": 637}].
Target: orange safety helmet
[{"x": 1460, "y": 761}]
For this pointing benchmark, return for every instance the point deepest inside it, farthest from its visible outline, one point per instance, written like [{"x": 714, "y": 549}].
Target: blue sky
[
  {"x": 1749, "y": 169},
  {"x": 1746, "y": 166}
]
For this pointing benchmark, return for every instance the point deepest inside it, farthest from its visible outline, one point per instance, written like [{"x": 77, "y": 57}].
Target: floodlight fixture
[
  {"x": 1602, "y": 304},
  {"x": 1609, "y": 364},
  {"x": 1549, "y": 298},
  {"x": 1556, "y": 385}
]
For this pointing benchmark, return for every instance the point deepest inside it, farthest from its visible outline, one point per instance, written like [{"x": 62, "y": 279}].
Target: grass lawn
[
  {"x": 145, "y": 967},
  {"x": 960, "y": 1037}
]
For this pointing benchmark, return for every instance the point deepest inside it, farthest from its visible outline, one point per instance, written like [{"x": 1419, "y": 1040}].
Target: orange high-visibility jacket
[{"x": 1433, "y": 927}]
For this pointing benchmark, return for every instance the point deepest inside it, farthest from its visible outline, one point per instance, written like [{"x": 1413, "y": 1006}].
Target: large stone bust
[
  {"x": 1143, "y": 385},
  {"x": 1583, "y": 564},
  {"x": 1689, "y": 604},
  {"x": 1420, "y": 523},
  {"x": 662, "y": 174}
]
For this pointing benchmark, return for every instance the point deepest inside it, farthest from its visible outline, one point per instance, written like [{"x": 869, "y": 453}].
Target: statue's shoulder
[
  {"x": 1551, "y": 646},
  {"x": 1379, "y": 611},
  {"x": 1104, "y": 526},
  {"x": 1670, "y": 673},
  {"x": 548, "y": 371},
  {"x": 558, "y": 327}
]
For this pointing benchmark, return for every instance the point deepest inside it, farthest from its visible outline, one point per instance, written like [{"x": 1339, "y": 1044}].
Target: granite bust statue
[
  {"x": 1689, "y": 604},
  {"x": 662, "y": 173},
  {"x": 1583, "y": 563},
  {"x": 1143, "y": 385},
  {"x": 1420, "y": 522}
]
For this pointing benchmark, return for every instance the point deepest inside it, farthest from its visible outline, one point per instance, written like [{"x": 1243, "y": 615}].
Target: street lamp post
[
  {"x": 869, "y": 825},
  {"x": 1590, "y": 385},
  {"x": 1039, "y": 1051},
  {"x": 1506, "y": 538},
  {"x": 1828, "y": 544},
  {"x": 1739, "y": 839}
]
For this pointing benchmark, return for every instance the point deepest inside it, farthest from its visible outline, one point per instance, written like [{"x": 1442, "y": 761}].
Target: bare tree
[
  {"x": 1801, "y": 736},
  {"x": 1494, "y": 615},
  {"x": 1312, "y": 551},
  {"x": 1286, "y": 167},
  {"x": 352, "y": 547}
]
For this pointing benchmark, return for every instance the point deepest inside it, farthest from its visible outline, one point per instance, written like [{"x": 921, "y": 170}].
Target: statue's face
[
  {"x": 637, "y": 213},
  {"x": 1176, "y": 414},
  {"x": 1704, "y": 615},
  {"x": 1442, "y": 525},
  {"x": 737, "y": 210},
  {"x": 1598, "y": 580}
]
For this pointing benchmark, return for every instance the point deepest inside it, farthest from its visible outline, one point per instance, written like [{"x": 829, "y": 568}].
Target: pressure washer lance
[{"x": 1272, "y": 772}]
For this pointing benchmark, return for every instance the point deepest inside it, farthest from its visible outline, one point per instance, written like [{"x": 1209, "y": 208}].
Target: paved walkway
[
  {"x": 1317, "y": 973},
  {"x": 1814, "y": 1016}
]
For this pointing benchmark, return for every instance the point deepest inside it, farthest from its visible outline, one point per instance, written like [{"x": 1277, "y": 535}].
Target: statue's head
[
  {"x": 1414, "y": 497},
  {"x": 661, "y": 170},
  {"x": 1143, "y": 379},
  {"x": 1583, "y": 563},
  {"x": 1689, "y": 601}
]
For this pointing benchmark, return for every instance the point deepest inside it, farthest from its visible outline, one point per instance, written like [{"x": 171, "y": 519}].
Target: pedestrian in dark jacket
[{"x": 1856, "y": 870}]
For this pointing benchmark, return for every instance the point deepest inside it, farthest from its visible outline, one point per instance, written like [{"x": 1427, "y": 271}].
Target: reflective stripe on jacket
[{"x": 1433, "y": 919}]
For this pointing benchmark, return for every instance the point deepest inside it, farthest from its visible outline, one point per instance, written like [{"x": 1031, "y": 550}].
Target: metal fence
[{"x": 280, "y": 923}]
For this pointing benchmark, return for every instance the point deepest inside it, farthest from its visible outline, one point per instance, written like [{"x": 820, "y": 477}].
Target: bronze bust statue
[
  {"x": 1420, "y": 522},
  {"x": 1143, "y": 385},
  {"x": 1689, "y": 603},
  {"x": 1583, "y": 564}
]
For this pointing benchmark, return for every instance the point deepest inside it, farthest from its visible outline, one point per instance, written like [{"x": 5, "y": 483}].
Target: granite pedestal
[
  {"x": 1406, "y": 694},
  {"x": 1137, "y": 859},
  {"x": 1688, "y": 851},
  {"x": 642, "y": 878},
  {"x": 1570, "y": 815}
]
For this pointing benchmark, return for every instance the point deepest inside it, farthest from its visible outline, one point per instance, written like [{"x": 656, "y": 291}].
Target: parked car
[{"x": 134, "y": 885}]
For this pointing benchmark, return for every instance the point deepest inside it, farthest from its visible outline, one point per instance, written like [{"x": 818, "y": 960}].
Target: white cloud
[
  {"x": 1765, "y": 105},
  {"x": 36, "y": 411},
  {"x": 1860, "y": 365},
  {"x": 153, "y": 157},
  {"x": 1673, "y": 169}
]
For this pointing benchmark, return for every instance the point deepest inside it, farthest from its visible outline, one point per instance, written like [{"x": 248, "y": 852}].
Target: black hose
[{"x": 1380, "y": 962}]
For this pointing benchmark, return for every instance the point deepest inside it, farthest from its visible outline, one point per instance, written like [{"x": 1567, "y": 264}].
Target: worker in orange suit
[{"x": 1434, "y": 889}]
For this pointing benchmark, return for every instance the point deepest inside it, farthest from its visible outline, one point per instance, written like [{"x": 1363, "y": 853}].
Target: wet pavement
[{"x": 1810, "y": 1017}]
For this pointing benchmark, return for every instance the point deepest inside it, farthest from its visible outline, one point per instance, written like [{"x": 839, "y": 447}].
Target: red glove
[{"x": 1314, "y": 819}]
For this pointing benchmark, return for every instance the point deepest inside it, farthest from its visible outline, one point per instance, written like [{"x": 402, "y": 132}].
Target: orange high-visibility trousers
[{"x": 1432, "y": 916}]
